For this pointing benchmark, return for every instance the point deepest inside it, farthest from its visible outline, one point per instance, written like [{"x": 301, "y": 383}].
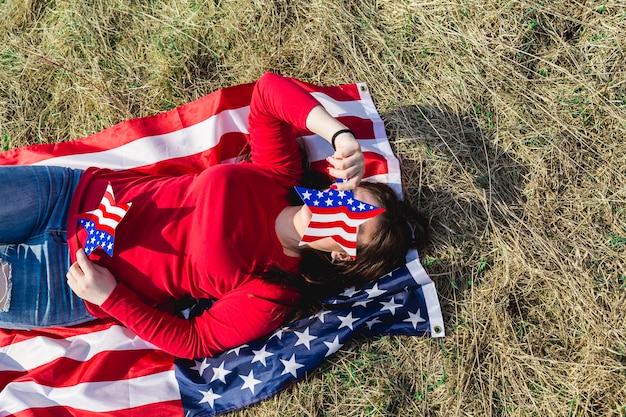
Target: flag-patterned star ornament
[
  {"x": 336, "y": 214},
  {"x": 102, "y": 222}
]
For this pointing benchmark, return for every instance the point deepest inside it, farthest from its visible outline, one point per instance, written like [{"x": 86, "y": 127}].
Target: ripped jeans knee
[{"x": 5, "y": 286}]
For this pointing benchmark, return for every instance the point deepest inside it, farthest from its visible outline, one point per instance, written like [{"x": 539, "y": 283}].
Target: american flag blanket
[{"x": 103, "y": 369}]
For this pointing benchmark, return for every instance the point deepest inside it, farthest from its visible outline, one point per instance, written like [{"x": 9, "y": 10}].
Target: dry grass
[{"x": 510, "y": 121}]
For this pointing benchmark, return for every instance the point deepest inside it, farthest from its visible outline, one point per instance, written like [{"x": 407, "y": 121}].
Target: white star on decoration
[
  {"x": 249, "y": 381},
  {"x": 374, "y": 291},
  {"x": 209, "y": 397},
  {"x": 304, "y": 338},
  {"x": 347, "y": 321},
  {"x": 333, "y": 346},
  {"x": 391, "y": 306},
  {"x": 261, "y": 355},
  {"x": 415, "y": 318},
  {"x": 291, "y": 366},
  {"x": 220, "y": 373}
]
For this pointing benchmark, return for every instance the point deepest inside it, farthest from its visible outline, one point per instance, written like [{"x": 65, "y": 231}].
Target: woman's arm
[
  {"x": 278, "y": 106},
  {"x": 347, "y": 161},
  {"x": 241, "y": 316}
]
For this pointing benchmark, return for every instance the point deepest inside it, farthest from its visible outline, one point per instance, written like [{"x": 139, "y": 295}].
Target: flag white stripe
[
  {"x": 435, "y": 318},
  {"x": 31, "y": 353},
  {"x": 112, "y": 223},
  {"x": 152, "y": 149},
  {"x": 330, "y": 231},
  {"x": 336, "y": 217},
  {"x": 92, "y": 396}
]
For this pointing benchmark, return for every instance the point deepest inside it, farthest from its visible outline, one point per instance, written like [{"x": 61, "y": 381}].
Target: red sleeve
[
  {"x": 241, "y": 316},
  {"x": 278, "y": 108}
]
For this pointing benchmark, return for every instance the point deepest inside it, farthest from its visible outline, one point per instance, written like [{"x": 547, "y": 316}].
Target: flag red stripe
[
  {"x": 375, "y": 164},
  {"x": 164, "y": 408},
  {"x": 9, "y": 337},
  {"x": 340, "y": 240},
  {"x": 128, "y": 364},
  {"x": 330, "y": 224}
]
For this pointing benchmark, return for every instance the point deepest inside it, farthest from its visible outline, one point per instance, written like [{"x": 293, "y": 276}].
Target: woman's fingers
[
  {"x": 349, "y": 169},
  {"x": 89, "y": 281}
]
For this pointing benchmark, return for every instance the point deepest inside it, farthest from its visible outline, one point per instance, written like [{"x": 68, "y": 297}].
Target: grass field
[{"x": 509, "y": 118}]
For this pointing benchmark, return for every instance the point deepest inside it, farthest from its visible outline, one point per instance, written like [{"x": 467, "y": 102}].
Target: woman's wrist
[{"x": 340, "y": 132}]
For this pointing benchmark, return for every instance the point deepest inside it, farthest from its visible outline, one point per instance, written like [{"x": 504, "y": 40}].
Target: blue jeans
[{"x": 34, "y": 257}]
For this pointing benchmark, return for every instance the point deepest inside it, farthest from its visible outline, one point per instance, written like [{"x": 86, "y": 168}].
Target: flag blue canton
[
  {"x": 97, "y": 238},
  {"x": 402, "y": 302}
]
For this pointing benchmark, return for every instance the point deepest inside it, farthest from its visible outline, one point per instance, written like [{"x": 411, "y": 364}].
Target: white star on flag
[
  {"x": 321, "y": 314},
  {"x": 349, "y": 292},
  {"x": 220, "y": 373},
  {"x": 304, "y": 338},
  {"x": 374, "y": 291},
  {"x": 261, "y": 355},
  {"x": 201, "y": 366},
  {"x": 347, "y": 321},
  {"x": 278, "y": 333},
  {"x": 390, "y": 305},
  {"x": 209, "y": 397},
  {"x": 372, "y": 322},
  {"x": 361, "y": 303},
  {"x": 291, "y": 366},
  {"x": 415, "y": 318},
  {"x": 237, "y": 349},
  {"x": 333, "y": 346},
  {"x": 249, "y": 381}
]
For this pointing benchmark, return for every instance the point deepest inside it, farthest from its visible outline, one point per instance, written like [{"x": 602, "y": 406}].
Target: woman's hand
[
  {"x": 91, "y": 282},
  {"x": 347, "y": 162}
]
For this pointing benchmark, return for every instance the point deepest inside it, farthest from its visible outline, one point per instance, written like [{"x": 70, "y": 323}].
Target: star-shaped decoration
[
  {"x": 391, "y": 306},
  {"x": 261, "y": 355},
  {"x": 335, "y": 214},
  {"x": 304, "y": 338},
  {"x": 220, "y": 373},
  {"x": 249, "y": 381},
  {"x": 347, "y": 321},
  {"x": 291, "y": 366},
  {"x": 101, "y": 223},
  {"x": 333, "y": 346},
  {"x": 415, "y": 318},
  {"x": 209, "y": 397}
]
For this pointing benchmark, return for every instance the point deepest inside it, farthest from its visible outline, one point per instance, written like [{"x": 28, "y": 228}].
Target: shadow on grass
[{"x": 469, "y": 188}]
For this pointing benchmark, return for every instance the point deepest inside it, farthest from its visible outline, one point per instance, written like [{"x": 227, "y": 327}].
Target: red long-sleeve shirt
[{"x": 203, "y": 235}]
